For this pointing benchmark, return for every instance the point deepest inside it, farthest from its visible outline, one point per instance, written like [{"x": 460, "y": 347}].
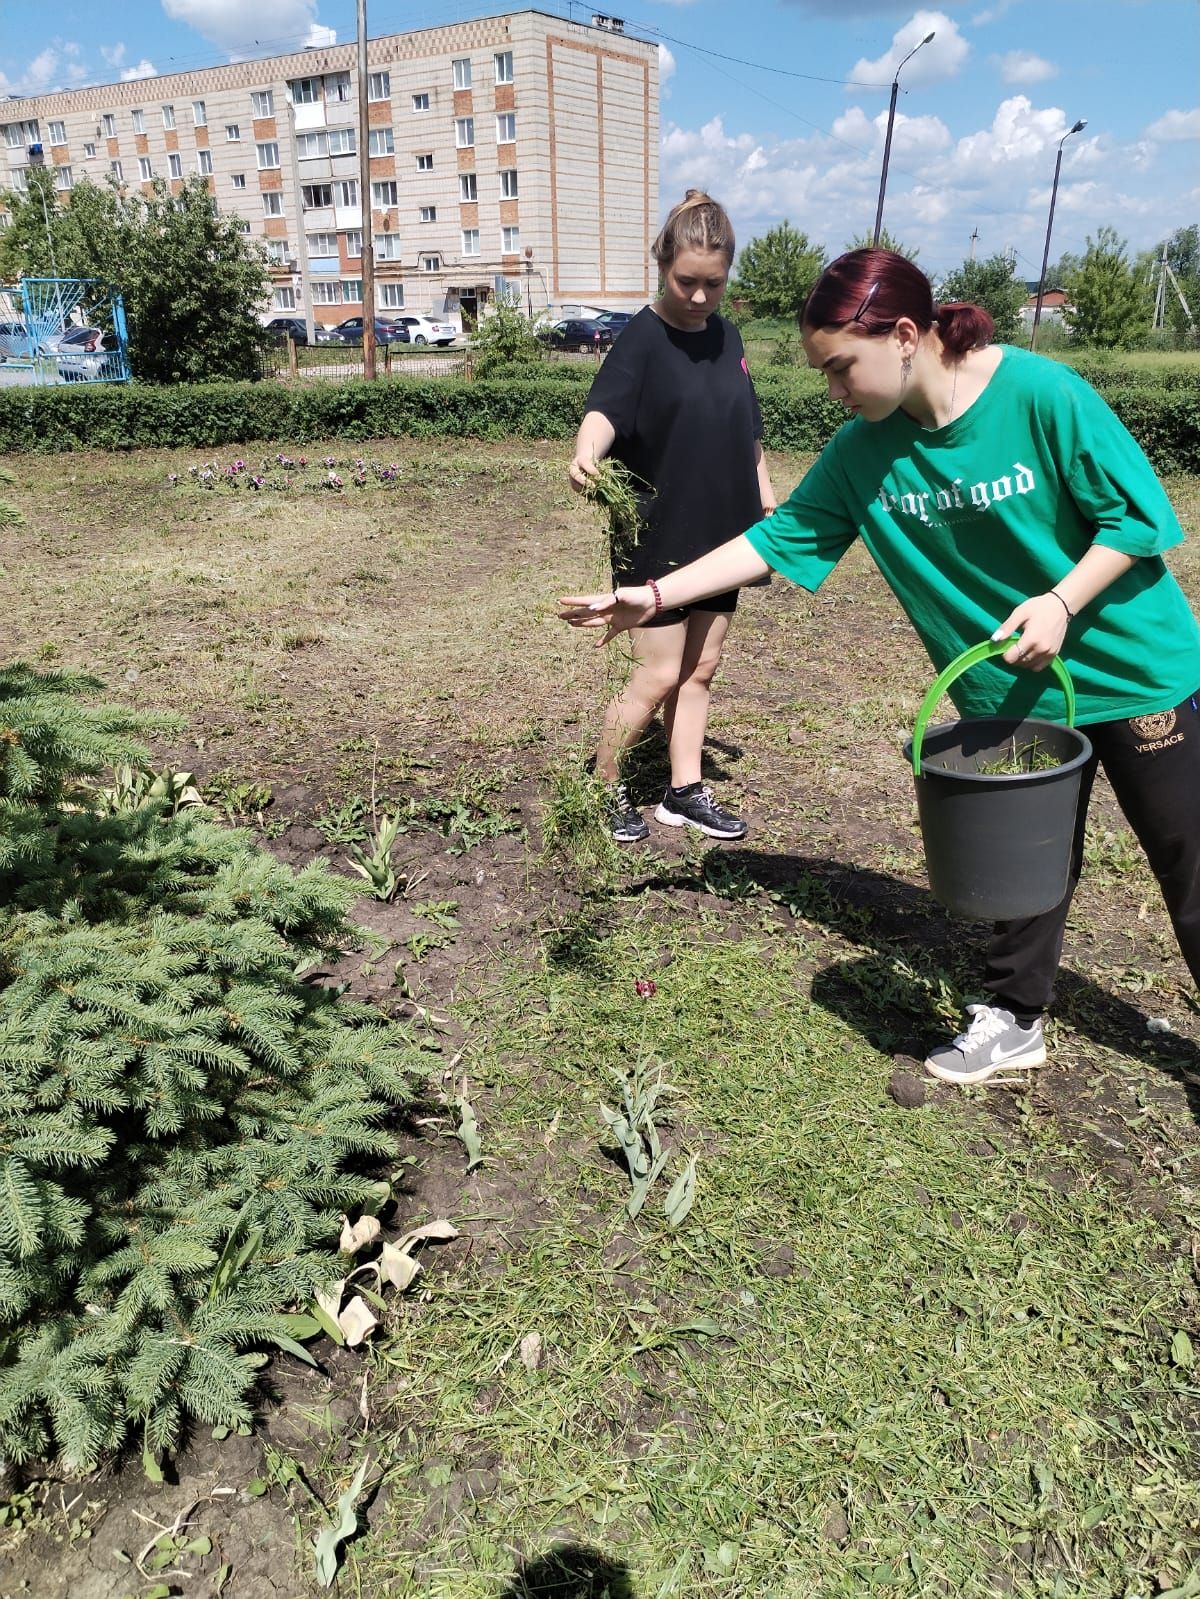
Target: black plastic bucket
[{"x": 997, "y": 845}]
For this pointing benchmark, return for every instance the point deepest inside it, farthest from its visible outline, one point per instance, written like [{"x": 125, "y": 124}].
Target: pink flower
[{"x": 645, "y": 988}]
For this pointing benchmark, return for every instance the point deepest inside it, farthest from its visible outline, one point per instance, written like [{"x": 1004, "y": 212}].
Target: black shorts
[{"x": 722, "y": 604}]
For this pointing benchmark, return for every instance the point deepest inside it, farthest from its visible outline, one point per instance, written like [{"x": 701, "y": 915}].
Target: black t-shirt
[{"x": 686, "y": 419}]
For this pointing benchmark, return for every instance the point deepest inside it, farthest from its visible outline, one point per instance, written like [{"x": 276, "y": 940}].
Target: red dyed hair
[{"x": 875, "y": 288}]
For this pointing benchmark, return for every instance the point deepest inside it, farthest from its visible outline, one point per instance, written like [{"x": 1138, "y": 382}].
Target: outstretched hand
[
  {"x": 616, "y": 613},
  {"x": 1042, "y": 623}
]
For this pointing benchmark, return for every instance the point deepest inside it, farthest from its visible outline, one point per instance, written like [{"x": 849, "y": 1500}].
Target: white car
[{"x": 424, "y": 330}]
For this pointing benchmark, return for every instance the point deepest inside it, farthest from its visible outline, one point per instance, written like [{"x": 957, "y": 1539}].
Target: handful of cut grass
[
  {"x": 615, "y": 490},
  {"x": 1021, "y": 758}
]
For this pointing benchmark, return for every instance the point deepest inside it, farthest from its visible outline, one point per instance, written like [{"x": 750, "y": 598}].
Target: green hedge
[{"x": 1161, "y": 410}]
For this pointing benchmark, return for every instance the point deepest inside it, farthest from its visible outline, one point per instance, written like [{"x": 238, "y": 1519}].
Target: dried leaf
[
  {"x": 398, "y": 1267},
  {"x": 531, "y": 1351},
  {"x": 358, "y": 1235},
  {"x": 357, "y": 1320},
  {"x": 1182, "y": 1352}
]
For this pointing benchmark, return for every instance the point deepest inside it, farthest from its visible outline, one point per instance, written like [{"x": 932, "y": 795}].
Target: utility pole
[
  {"x": 1160, "y": 290},
  {"x": 306, "y": 306},
  {"x": 887, "y": 143},
  {"x": 974, "y": 236},
  {"x": 1037, "y": 310},
  {"x": 364, "y": 184}
]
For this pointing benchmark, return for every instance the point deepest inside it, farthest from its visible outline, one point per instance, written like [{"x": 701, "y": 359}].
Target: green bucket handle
[{"x": 969, "y": 658}]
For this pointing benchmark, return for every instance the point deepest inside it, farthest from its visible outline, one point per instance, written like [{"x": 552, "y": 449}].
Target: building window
[
  {"x": 321, "y": 243},
  {"x": 15, "y": 134},
  {"x": 391, "y": 296},
  {"x": 383, "y": 195},
  {"x": 326, "y": 293},
  {"x": 337, "y": 87},
  {"x": 464, "y": 133},
  {"x": 238, "y": 180},
  {"x": 428, "y": 213},
  {"x": 387, "y": 247},
  {"x": 109, "y": 123},
  {"x": 89, "y": 151},
  {"x": 305, "y": 91},
  {"x": 242, "y": 225},
  {"x": 63, "y": 178},
  {"x": 204, "y": 162},
  {"x": 118, "y": 171},
  {"x": 199, "y": 114},
  {"x": 58, "y": 133},
  {"x": 316, "y": 196},
  {"x": 462, "y": 73},
  {"x": 268, "y": 156},
  {"x": 470, "y": 241},
  {"x": 508, "y": 183},
  {"x": 272, "y": 202},
  {"x": 145, "y": 170},
  {"x": 262, "y": 102},
  {"x": 352, "y": 291},
  {"x": 19, "y": 180},
  {"x": 309, "y": 145},
  {"x": 175, "y": 163},
  {"x": 345, "y": 193},
  {"x": 353, "y": 244},
  {"x": 504, "y": 67},
  {"x": 284, "y": 298},
  {"x": 425, "y": 162},
  {"x": 510, "y": 241},
  {"x": 381, "y": 142},
  {"x": 506, "y": 127},
  {"x": 168, "y": 116},
  {"x": 342, "y": 141},
  {"x": 139, "y": 121},
  {"x": 431, "y": 263},
  {"x": 420, "y": 102},
  {"x": 379, "y": 86},
  {"x": 278, "y": 251},
  {"x": 468, "y": 187},
  {"x": 233, "y": 132}
]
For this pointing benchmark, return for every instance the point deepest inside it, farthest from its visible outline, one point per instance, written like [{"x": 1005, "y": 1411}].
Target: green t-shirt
[{"x": 968, "y": 520}]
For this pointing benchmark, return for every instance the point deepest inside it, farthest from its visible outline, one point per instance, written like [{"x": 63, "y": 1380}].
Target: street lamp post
[
  {"x": 887, "y": 143},
  {"x": 1037, "y": 310}
]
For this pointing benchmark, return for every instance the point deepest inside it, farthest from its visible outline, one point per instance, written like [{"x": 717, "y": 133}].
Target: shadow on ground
[{"x": 571, "y": 1571}]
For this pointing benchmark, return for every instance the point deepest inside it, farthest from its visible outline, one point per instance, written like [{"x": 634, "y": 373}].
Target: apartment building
[{"x": 517, "y": 151}]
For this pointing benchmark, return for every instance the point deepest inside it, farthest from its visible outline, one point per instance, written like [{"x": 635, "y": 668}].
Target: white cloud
[
  {"x": 1175, "y": 125},
  {"x": 319, "y": 35},
  {"x": 666, "y": 64},
  {"x": 142, "y": 69},
  {"x": 933, "y": 63},
  {"x": 1022, "y": 66},
  {"x": 51, "y": 68},
  {"x": 114, "y": 54},
  {"x": 239, "y": 28}
]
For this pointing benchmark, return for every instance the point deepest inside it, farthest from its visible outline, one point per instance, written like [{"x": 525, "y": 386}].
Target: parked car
[
  {"x": 351, "y": 331},
  {"x": 281, "y": 327},
  {"x": 424, "y": 330},
  {"x": 577, "y": 333},
  {"x": 14, "y": 341},
  {"x": 82, "y": 354},
  {"x": 616, "y": 320}
]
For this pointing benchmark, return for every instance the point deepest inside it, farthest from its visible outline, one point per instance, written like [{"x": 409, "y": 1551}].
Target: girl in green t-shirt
[{"x": 998, "y": 495}]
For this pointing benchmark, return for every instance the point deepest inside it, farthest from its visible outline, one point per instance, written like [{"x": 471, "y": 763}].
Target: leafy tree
[
  {"x": 192, "y": 281},
  {"x": 991, "y": 284},
  {"x": 505, "y": 337},
  {"x": 864, "y": 241},
  {"x": 1108, "y": 305},
  {"x": 775, "y": 273}
]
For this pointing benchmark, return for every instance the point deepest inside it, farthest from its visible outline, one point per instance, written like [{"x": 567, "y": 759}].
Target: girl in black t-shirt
[{"x": 674, "y": 402}]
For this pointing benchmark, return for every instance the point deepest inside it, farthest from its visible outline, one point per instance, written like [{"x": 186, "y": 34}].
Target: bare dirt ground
[{"x": 397, "y": 645}]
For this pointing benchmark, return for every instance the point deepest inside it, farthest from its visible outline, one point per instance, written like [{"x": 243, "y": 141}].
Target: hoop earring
[{"x": 905, "y": 370}]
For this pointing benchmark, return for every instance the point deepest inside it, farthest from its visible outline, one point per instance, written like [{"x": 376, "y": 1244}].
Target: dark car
[
  {"x": 578, "y": 333},
  {"x": 618, "y": 321},
  {"x": 295, "y": 327},
  {"x": 351, "y": 331}
]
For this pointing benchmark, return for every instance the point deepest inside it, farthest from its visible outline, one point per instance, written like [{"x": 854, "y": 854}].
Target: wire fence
[{"x": 306, "y": 363}]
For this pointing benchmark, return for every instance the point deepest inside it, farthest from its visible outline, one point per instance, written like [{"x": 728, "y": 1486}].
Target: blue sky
[{"x": 778, "y": 107}]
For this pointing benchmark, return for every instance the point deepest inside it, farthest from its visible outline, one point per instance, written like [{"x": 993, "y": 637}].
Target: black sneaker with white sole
[
  {"x": 694, "y": 806},
  {"x": 625, "y": 822},
  {"x": 994, "y": 1042}
]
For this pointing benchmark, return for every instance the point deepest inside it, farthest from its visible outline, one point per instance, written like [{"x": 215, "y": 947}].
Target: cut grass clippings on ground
[{"x": 882, "y": 1354}]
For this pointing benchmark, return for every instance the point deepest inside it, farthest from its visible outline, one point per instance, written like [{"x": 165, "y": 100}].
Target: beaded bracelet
[{"x": 653, "y": 587}]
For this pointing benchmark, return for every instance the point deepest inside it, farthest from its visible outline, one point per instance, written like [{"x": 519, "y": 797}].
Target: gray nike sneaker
[{"x": 992, "y": 1043}]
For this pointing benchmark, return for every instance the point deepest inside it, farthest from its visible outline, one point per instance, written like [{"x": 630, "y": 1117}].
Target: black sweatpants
[{"x": 1153, "y": 764}]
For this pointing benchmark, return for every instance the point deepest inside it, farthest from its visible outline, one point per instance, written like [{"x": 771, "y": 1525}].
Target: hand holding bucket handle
[{"x": 963, "y": 663}]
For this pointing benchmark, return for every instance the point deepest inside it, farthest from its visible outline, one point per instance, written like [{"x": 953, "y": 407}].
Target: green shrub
[
  {"x": 182, "y": 1118},
  {"x": 517, "y": 401}
]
